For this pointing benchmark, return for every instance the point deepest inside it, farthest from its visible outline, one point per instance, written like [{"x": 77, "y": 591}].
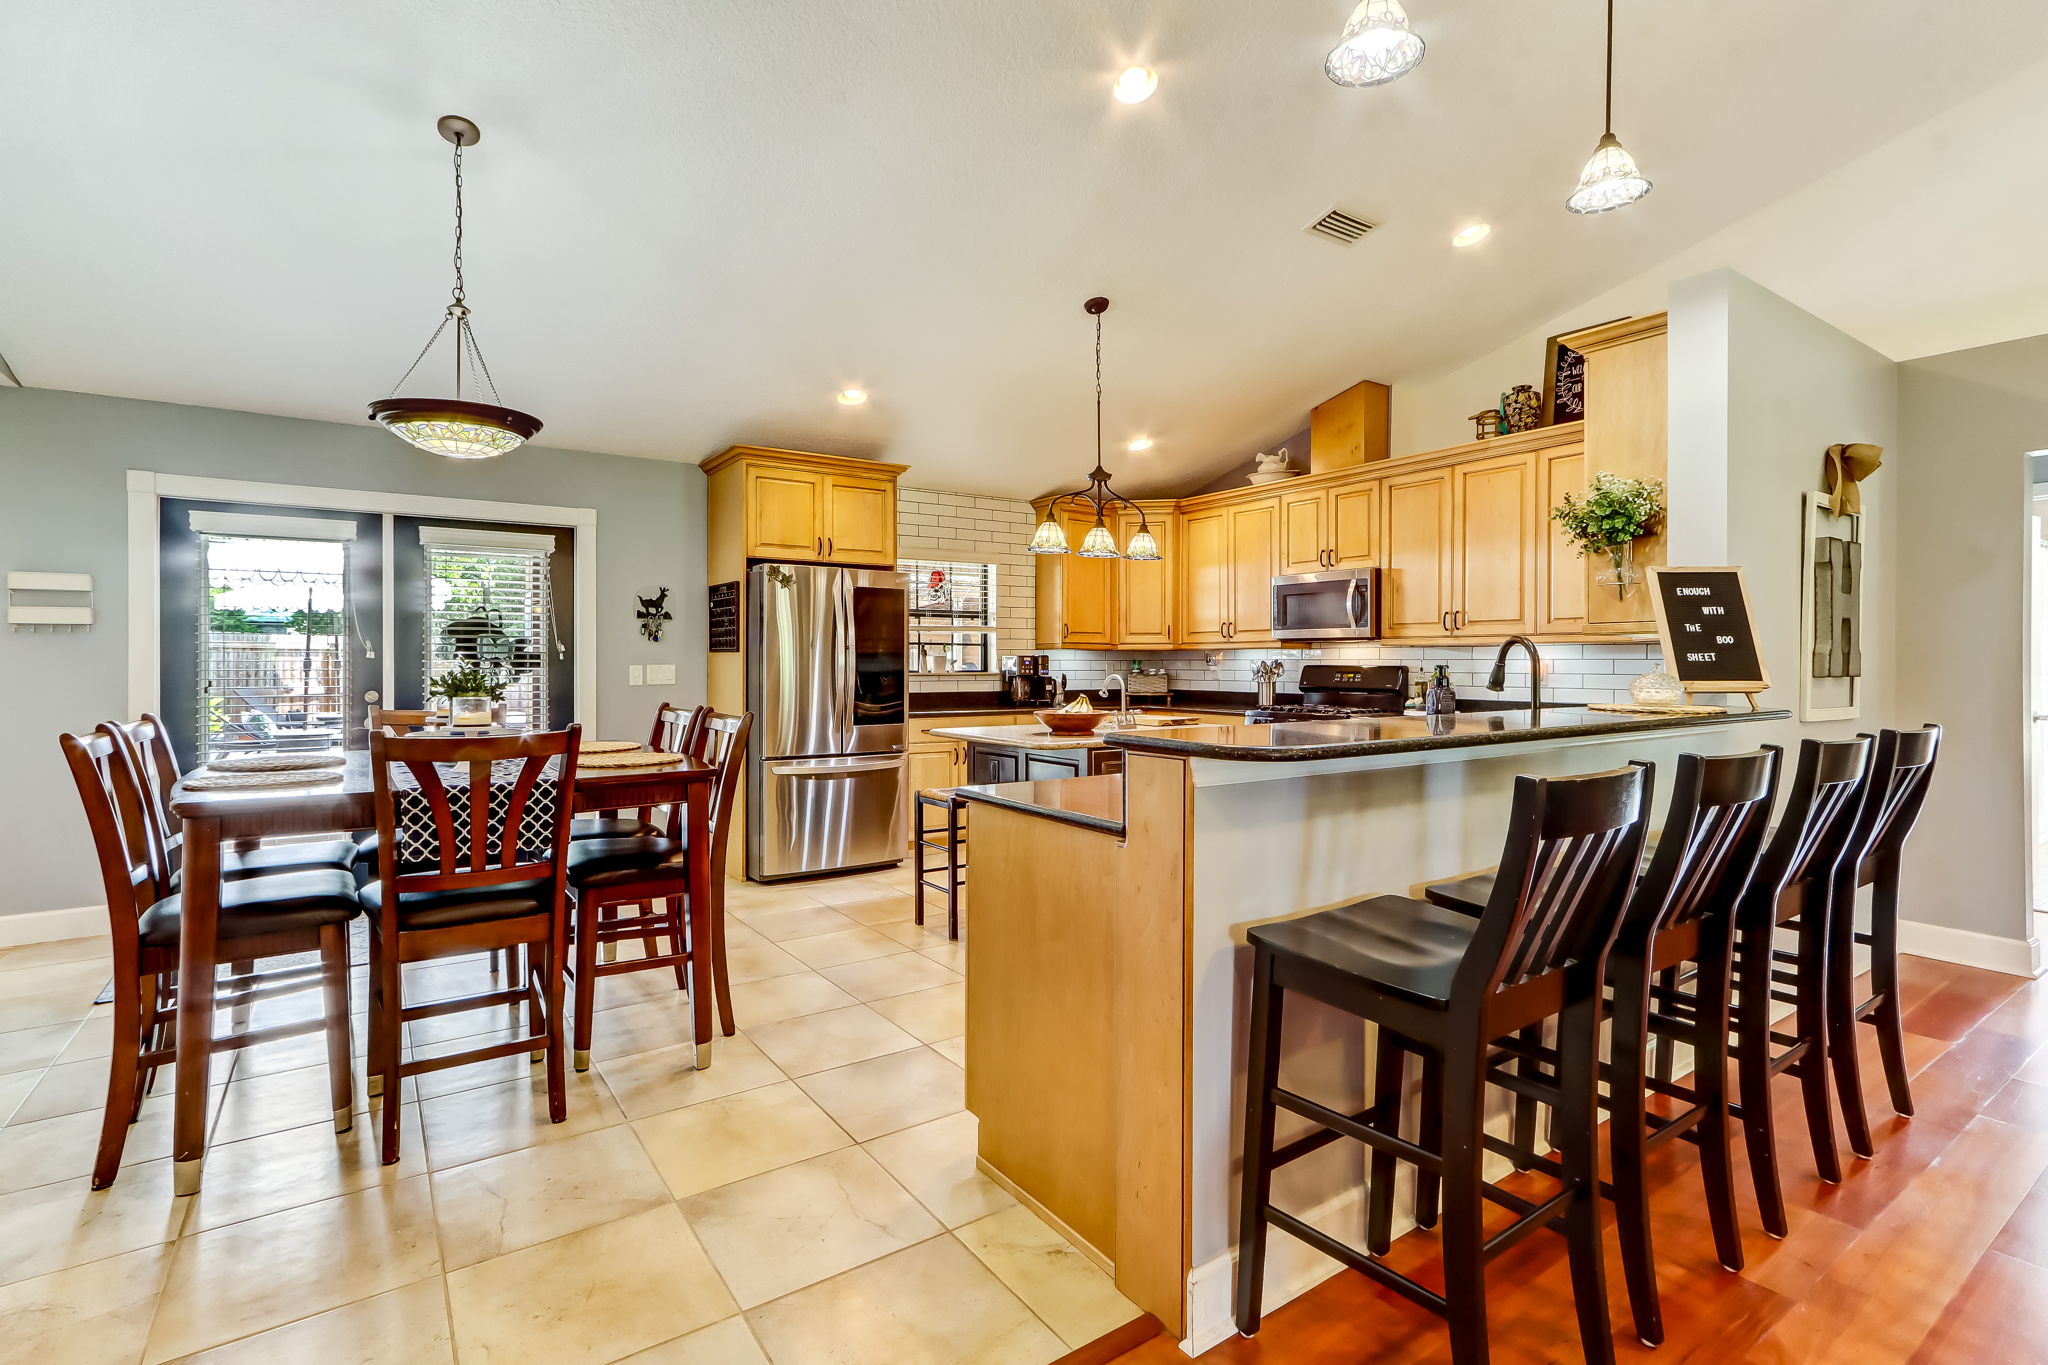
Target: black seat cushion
[
  {"x": 1407, "y": 946},
  {"x": 597, "y": 863},
  {"x": 612, "y": 827},
  {"x": 280, "y": 903},
  {"x": 339, "y": 854},
  {"x": 472, "y": 905}
]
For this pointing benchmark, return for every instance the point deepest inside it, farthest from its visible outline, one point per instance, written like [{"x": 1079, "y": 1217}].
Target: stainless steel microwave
[{"x": 1333, "y": 604}]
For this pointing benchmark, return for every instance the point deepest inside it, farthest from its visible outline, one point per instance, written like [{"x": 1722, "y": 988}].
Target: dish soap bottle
[{"x": 1440, "y": 700}]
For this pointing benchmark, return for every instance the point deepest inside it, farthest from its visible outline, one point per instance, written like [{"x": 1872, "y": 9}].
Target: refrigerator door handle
[
  {"x": 834, "y": 767},
  {"x": 843, "y": 684}
]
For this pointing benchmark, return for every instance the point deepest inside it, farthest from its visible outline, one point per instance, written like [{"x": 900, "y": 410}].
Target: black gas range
[{"x": 1341, "y": 692}]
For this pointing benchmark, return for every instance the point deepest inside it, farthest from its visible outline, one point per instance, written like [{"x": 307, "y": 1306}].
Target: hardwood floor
[{"x": 1934, "y": 1252}]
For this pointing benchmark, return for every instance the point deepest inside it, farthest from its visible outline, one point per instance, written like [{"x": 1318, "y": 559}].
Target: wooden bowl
[{"x": 1071, "y": 722}]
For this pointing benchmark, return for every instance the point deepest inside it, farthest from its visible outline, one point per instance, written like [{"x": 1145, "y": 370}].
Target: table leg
[
  {"x": 697, "y": 811},
  {"x": 198, "y": 937}
]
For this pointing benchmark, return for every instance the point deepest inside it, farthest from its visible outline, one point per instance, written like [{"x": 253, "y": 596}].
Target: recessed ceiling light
[
  {"x": 1140, "y": 443},
  {"x": 1473, "y": 235},
  {"x": 853, "y": 398},
  {"x": 1135, "y": 84}
]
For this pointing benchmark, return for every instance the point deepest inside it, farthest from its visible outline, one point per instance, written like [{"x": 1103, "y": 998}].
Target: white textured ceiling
[{"x": 691, "y": 223}]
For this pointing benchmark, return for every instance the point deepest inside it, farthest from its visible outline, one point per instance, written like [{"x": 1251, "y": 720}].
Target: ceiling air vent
[{"x": 1340, "y": 226}]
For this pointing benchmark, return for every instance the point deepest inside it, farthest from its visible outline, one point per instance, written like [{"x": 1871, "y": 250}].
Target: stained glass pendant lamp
[
  {"x": 1098, "y": 496},
  {"x": 460, "y": 428},
  {"x": 1377, "y": 46},
  {"x": 1610, "y": 180}
]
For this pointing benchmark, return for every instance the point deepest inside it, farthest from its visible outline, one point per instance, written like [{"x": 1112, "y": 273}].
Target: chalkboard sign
[
  {"x": 725, "y": 618},
  {"x": 1709, "y": 633}
]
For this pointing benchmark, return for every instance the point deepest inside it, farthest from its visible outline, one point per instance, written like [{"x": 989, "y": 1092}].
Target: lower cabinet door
[{"x": 1105, "y": 760}]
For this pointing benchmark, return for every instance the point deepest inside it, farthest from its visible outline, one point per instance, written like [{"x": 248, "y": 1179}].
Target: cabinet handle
[
  {"x": 830, "y": 544},
  {"x": 1064, "y": 628},
  {"x": 1458, "y": 619},
  {"x": 1443, "y": 621}
]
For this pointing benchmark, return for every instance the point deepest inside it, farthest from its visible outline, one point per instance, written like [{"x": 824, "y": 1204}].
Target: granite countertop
[
  {"x": 1095, "y": 803},
  {"x": 1311, "y": 740},
  {"x": 1030, "y": 734}
]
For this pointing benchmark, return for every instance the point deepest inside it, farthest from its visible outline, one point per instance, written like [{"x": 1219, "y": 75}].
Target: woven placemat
[
  {"x": 1631, "y": 709},
  {"x": 207, "y": 781},
  {"x": 273, "y": 763},
  {"x": 611, "y": 746},
  {"x": 646, "y": 758}
]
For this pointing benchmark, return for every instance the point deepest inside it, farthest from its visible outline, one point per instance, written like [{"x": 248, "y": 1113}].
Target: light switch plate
[
  {"x": 661, "y": 675},
  {"x": 636, "y": 676}
]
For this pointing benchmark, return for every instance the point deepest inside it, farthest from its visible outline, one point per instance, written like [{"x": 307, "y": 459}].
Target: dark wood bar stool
[
  {"x": 463, "y": 868},
  {"x": 951, "y": 830},
  {"x": 260, "y": 917},
  {"x": 650, "y": 872},
  {"x": 1680, "y": 917},
  {"x": 1897, "y": 787},
  {"x": 1451, "y": 986}
]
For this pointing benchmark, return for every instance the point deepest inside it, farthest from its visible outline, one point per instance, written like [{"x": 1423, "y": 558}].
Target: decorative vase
[
  {"x": 1523, "y": 407},
  {"x": 1657, "y": 689},
  {"x": 1623, "y": 575},
  {"x": 470, "y": 713}
]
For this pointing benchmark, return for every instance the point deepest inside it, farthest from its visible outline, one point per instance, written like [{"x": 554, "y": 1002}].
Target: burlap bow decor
[{"x": 1845, "y": 467}]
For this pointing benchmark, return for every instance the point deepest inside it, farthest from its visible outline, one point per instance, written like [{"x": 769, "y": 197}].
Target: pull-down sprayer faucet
[{"x": 1497, "y": 680}]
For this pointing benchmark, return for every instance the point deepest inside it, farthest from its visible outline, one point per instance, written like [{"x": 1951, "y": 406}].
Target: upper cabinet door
[
  {"x": 1493, "y": 520},
  {"x": 1304, "y": 532},
  {"x": 1416, "y": 581},
  {"x": 860, "y": 521},
  {"x": 1144, "y": 588},
  {"x": 1254, "y": 555},
  {"x": 785, "y": 514},
  {"x": 1087, "y": 588},
  {"x": 1355, "y": 526},
  {"x": 1560, "y": 573},
  {"x": 1204, "y": 576}
]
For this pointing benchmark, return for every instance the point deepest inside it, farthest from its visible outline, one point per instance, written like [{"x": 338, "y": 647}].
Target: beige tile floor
[{"x": 810, "y": 1198}]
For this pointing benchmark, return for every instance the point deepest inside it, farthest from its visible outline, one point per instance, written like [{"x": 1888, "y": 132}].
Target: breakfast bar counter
[{"x": 1108, "y": 970}]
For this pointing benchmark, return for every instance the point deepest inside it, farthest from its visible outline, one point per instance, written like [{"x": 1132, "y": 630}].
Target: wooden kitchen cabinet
[
  {"x": 1229, "y": 554},
  {"x": 1076, "y": 596},
  {"x": 1493, "y": 525},
  {"x": 1145, "y": 588},
  {"x": 1626, "y": 434},
  {"x": 1415, "y": 581},
  {"x": 1350, "y": 429},
  {"x": 794, "y": 505},
  {"x": 1560, "y": 573},
  {"x": 1329, "y": 528},
  {"x": 1205, "y": 581}
]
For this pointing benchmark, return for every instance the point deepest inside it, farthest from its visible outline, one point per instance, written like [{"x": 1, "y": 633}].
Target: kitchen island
[
  {"x": 1108, "y": 975},
  {"x": 1028, "y": 752}
]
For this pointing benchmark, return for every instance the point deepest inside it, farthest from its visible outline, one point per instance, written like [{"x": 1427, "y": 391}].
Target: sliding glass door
[{"x": 281, "y": 627}]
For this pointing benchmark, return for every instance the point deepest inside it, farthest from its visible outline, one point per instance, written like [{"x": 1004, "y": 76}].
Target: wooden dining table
[{"x": 212, "y": 817}]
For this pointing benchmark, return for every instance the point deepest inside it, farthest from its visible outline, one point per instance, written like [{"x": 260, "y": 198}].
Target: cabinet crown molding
[
  {"x": 803, "y": 459},
  {"x": 1615, "y": 333}
]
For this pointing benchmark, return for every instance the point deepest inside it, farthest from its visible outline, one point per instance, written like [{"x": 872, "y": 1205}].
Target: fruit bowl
[{"x": 1071, "y": 722}]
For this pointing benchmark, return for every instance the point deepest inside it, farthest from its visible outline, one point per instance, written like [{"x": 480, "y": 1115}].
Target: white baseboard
[
  {"x": 48, "y": 926},
  {"x": 1293, "y": 1268},
  {"x": 1968, "y": 948}
]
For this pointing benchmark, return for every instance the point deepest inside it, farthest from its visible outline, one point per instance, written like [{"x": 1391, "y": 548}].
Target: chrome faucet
[
  {"x": 1497, "y": 680},
  {"x": 1123, "y": 688}
]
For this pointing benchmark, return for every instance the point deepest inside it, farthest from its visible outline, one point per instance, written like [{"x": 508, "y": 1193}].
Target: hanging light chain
[
  {"x": 457, "y": 292},
  {"x": 1608, "y": 118}
]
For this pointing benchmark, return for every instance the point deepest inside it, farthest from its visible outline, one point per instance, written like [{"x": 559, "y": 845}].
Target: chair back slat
[
  {"x": 675, "y": 729},
  {"x": 531, "y": 833},
  {"x": 1714, "y": 831},
  {"x": 100, "y": 769},
  {"x": 403, "y": 721},
  {"x": 720, "y": 739},
  {"x": 1813, "y": 831},
  {"x": 1900, "y": 773},
  {"x": 1571, "y": 849}
]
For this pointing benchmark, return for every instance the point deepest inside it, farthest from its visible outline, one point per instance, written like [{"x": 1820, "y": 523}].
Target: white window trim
[
  {"x": 146, "y": 488},
  {"x": 465, "y": 538},
  {"x": 280, "y": 528}
]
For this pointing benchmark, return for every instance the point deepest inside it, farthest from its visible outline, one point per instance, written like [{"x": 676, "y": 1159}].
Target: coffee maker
[{"x": 1028, "y": 681}]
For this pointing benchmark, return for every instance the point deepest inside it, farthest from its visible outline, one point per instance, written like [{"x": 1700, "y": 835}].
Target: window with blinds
[
  {"x": 952, "y": 616},
  {"x": 490, "y": 617}
]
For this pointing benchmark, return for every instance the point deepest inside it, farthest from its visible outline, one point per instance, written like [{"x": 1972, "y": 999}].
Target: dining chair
[
  {"x": 271, "y": 916},
  {"x": 1451, "y": 987},
  {"x": 473, "y": 836},
  {"x": 675, "y": 730},
  {"x": 395, "y": 718},
  {"x": 646, "y": 871},
  {"x": 148, "y": 742}
]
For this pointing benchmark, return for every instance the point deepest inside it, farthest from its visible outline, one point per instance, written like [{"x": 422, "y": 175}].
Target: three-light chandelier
[{"x": 1098, "y": 496}]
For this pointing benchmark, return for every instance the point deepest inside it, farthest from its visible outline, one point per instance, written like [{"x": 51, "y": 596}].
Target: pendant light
[
  {"x": 1610, "y": 180},
  {"x": 1377, "y": 46},
  {"x": 1100, "y": 542},
  {"x": 458, "y": 427}
]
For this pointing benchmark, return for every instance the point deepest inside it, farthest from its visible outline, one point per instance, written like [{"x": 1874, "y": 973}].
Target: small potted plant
[
  {"x": 472, "y": 688},
  {"x": 1612, "y": 515}
]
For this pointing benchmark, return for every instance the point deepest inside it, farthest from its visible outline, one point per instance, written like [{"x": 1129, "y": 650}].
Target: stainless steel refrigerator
[{"x": 826, "y": 681}]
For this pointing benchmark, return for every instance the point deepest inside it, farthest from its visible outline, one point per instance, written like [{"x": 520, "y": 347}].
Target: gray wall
[
  {"x": 1967, "y": 420},
  {"x": 63, "y": 507}
]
